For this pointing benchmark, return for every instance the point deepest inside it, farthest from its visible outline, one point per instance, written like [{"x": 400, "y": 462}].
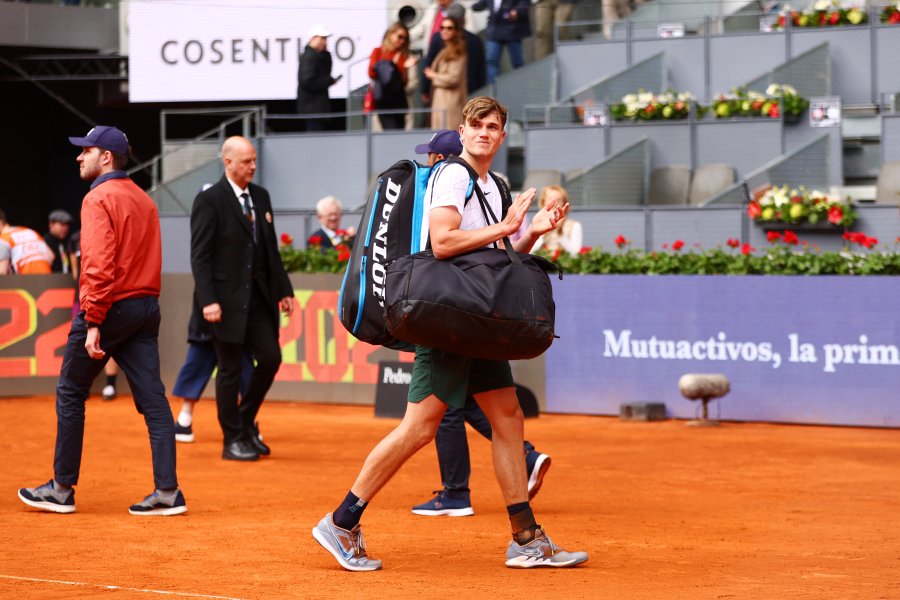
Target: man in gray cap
[
  {"x": 121, "y": 259},
  {"x": 57, "y": 238}
]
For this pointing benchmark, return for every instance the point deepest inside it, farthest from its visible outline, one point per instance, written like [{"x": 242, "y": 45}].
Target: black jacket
[
  {"x": 222, "y": 253},
  {"x": 313, "y": 80},
  {"x": 499, "y": 26}
]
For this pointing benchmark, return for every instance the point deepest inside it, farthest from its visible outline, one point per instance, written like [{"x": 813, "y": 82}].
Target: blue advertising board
[{"x": 821, "y": 349}]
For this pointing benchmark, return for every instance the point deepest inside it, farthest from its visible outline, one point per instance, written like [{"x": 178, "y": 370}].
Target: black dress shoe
[
  {"x": 256, "y": 443},
  {"x": 239, "y": 450}
]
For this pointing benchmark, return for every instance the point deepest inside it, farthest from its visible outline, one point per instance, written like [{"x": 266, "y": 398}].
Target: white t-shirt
[{"x": 448, "y": 186}]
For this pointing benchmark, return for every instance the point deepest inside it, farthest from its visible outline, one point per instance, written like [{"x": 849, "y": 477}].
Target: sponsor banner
[
  {"x": 36, "y": 315},
  {"x": 796, "y": 349},
  {"x": 226, "y": 50}
]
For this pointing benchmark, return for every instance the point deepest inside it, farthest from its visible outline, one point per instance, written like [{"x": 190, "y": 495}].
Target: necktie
[{"x": 248, "y": 212}]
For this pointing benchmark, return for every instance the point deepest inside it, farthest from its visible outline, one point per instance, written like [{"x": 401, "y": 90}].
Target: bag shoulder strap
[{"x": 505, "y": 201}]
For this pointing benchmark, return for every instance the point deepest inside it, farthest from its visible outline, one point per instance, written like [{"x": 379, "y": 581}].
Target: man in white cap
[{"x": 314, "y": 78}]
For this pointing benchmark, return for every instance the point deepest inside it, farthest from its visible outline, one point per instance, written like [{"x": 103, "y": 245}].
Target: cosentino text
[{"x": 236, "y": 51}]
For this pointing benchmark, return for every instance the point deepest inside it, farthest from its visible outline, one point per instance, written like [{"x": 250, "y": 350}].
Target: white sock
[{"x": 185, "y": 418}]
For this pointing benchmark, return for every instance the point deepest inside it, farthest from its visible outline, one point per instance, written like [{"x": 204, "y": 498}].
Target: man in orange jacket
[{"x": 121, "y": 260}]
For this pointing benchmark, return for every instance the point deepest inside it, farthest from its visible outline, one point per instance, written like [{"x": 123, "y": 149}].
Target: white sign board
[
  {"x": 825, "y": 111},
  {"x": 670, "y": 30},
  {"x": 226, "y": 50}
]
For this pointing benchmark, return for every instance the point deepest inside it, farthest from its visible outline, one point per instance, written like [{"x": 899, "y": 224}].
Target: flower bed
[
  {"x": 822, "y": 13},
  {"x": 890, "y": 14},
  {"x": 787, "y": 255},
  {"x": 646, "y": 106},
  {"x": 781, "y": 205},
  {"x": 777, "y": 99}
]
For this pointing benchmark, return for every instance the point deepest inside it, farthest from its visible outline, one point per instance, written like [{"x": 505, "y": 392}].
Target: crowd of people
[
  {"x": 437, "y": 63},
  {"x": 240, "y": 286}
]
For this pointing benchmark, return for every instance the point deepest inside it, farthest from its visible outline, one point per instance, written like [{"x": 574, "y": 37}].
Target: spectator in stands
[
  {"x": 22, "y": 251},
  {"x": 476, "y": 66},
  {"x": 448, "y": 78},
  {"x": 314, "y": 78},
  {"x": 388, "y": 69},
  {"x": 421, "y": 35},
  {"x": 568, "y": 235},
  {"x": 613, "y": 11},
  {"x": 507, "y": 26},
  {"x": 57, "y": 239},
  {"x": 547, "y": 15},
  {"x": 330, "y": 235}
]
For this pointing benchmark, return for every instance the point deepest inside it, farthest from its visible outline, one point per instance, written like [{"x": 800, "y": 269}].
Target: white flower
[
  {"x": 632, "y": 98},
  {"x": 773, "y": 89},
  {"x": 645, "y": 98},
  {"x": 788, "y": 90},
  {"x": 822, "y": 5}
]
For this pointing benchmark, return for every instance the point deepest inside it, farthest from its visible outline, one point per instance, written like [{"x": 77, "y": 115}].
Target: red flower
[
  {"x": 314, "y": 240},
  {"x": 790, "y": 237},
  {"x": 733, "y": 243},
  {"x": 343, "y": 252},
  {"x": 555, "y": 256},
  {"x": 797, "y": 199},
  {"x": 340, "y": 232},
  {"x": 286, "y": 239},
  {"x": 870, "y": 242},
  {"x": 650, "y": 108},
  {"x": 584, "y": 250},
  {"x": 781, "y": 20},
  {"x": 835, "y": 215},
  {"x": 835, "y": 18},
  {"x": 747, "y": 249},
  {"x": 773, "y": 112},
  {"x": 848, "y": 235},
  {"x": 894, "y": 18},
  {"x": 621, "y": 241},
  {"x": 677, "y": 245},
  {"x": 773, "y": 236},
  {"x": 754, "y": 210}
]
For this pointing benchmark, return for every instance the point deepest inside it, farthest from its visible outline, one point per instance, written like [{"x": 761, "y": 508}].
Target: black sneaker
[
  {"x": 47, "y": 497},
  {"x": 443, "y": 505},
  {"x": 183, "y": 434},
  {"x": 154, "y": 505}
]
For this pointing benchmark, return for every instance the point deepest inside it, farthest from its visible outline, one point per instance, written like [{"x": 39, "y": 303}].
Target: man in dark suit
[
  {"x": 330, "y": 235},
  {"x": 239, "y": 285}
]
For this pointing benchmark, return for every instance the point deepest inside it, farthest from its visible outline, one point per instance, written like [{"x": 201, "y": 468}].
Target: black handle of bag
[{"x": 507, "y": 245}]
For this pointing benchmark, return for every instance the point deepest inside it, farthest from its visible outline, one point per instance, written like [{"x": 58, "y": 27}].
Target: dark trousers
[
  {"x": 130, "y": 335},
  {"x": 453, "y": 446},
  {"x": 392, "y": 121},
  {"x": 261, "y": 342}
]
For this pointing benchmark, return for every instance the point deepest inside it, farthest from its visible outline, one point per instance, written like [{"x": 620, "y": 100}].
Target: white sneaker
[{"x": 109, "y": 392}]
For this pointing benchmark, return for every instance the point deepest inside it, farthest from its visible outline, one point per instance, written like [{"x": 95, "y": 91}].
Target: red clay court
[{"x": 666, "y": 511}]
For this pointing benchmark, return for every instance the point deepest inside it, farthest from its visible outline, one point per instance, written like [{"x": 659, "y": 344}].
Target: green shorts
[{"x": 452, "y": 377}]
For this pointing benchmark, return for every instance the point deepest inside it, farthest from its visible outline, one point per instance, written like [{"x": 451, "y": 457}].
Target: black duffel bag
[{"x": 489, "y": 303}]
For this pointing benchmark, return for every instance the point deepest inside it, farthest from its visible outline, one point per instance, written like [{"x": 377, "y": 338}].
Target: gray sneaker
[
  {"x": 155, "y": 505},
  {"x": 541, "y": 552},
  {"x": 47, "y": 497},
  {"x": 348, "y": 547}
]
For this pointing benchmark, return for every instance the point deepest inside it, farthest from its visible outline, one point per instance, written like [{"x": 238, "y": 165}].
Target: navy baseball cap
[
  {"x": 105, "y": 137},
  {"x": 444, "y": 142}
]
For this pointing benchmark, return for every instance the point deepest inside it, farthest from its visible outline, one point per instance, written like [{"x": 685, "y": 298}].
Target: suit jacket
[
  {"x": 324, "y": 240},
  {"x": 499, "y": 27},
  {"x": 222, "y": 253}
]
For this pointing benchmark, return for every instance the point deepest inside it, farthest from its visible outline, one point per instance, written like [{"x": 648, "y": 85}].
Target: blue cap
[
  {"x": 444, "y": 142},
  {"x": 105, "y": 137}
]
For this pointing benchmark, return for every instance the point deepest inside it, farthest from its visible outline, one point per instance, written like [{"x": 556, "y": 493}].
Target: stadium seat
[
  {"x": 887, "y": 190},
  {"x": 708, "y": 181},
  {"x": 669, "y": 185}
]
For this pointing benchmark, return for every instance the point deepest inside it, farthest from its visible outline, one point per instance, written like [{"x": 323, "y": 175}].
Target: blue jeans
[
  {"x": 130, "y": 335},
  {"x": 198, "y": 368},
  {"x": 494, "y": 50}
]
